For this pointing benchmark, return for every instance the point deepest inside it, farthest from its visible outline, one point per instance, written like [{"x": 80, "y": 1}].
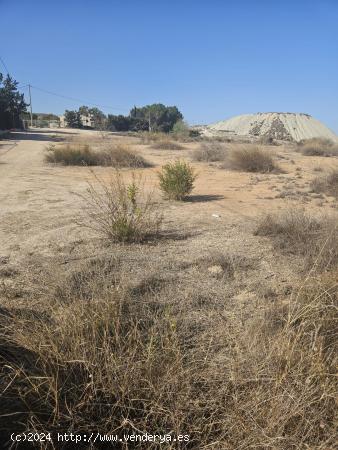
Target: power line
[
  {"x": 22, "y": 86},
  {"x": 4, "y": 64},
  {"x": 78, "y": 100}
]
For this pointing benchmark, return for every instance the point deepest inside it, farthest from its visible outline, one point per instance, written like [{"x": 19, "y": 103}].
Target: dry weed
[
  {"x": 327, "y": 184},
  {"x": 121, "y": 211},
  {"x": 165, "y": 143},
  {"x": 252, "y": 159},
  {"x": 119, "y": 365},
  {"x": 299, "y": 232},
  {"x": 118, "y": 155},
  {"x": 210, "y": 152},
  {"x": 318, "y": 147}
]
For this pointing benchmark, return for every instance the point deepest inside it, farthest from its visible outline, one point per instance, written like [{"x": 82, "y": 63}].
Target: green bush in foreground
[{"x": 177, "y": 180}]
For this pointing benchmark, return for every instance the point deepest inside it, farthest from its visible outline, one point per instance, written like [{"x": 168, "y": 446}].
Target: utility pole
[
  {"x": 30, "y": 104},
  {"x": 149, "y": 122}
]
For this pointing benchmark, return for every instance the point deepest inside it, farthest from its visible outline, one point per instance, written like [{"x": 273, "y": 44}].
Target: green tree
[
  {"x": 118, "y": 122},
  {"x": 159, "y": 117},
  {"x": 84, "y": 110},
  {"x": 12, "y": 103},
  {"x": 98, "y": 118},
  {"x": 73, "y": 119}
]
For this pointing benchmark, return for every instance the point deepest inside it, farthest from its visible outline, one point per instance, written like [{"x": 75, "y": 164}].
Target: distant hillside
[{"x": 283, "y": 126}]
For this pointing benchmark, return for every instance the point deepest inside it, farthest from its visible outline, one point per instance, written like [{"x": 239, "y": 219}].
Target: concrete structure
[{"x": 86, "y": 121}]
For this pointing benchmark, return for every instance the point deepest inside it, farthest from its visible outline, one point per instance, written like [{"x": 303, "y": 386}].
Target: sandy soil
[{"x": 40, "y": 204}]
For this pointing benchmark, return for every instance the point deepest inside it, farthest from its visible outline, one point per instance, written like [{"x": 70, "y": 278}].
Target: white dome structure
[{"x": 283, "y": 126}]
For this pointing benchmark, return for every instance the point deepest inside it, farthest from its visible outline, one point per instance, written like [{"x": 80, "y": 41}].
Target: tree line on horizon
[{"x": 156, "y": 117}]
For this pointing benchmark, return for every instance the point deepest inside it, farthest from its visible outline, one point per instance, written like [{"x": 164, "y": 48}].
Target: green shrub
[
  {"x": 177, "y": 180},
  {"x": 181, "y": 128}
]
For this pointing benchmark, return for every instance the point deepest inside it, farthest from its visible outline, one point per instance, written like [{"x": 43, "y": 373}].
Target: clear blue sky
[{"x": 211, "y": 58}]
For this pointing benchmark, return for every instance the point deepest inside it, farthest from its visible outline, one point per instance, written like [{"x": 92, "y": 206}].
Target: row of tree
[
  {"x": 156, "y": 117},
  {"x": 12, "y": 104},
  {"x": 84, "y": 116}
]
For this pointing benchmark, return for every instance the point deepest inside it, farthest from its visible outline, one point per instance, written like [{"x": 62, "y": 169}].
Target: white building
[{"x": 86, "y": 121}]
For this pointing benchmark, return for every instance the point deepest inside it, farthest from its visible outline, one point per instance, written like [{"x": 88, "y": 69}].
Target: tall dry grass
[
  {"x": 299, "y": 232},
  {"x": 210, "y": 151},
  {"x": 326, "y": 183},
  {"x": 121, "y": 210},
  {"x": 166, "y": 143},
  {"x": 123, "y": 364},
  {"x": 251, "y": 158},
  {"x": 318, "y": 147},
  {"x": 115, "y": 154}
]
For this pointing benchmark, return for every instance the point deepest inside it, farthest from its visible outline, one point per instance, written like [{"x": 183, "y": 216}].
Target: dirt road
[{"x": 35, "y": 199}]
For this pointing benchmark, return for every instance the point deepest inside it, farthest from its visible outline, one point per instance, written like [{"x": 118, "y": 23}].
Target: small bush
[
  {"x": 266, "y": 140},
  {"x": 327, "y": 184},
  {"x": 167, "y": 144},
  {"x": 120, "y": 155},
  {"x": 121, "y": 211},
  {"x": 180, "y": 129},
  {"x": 318, "y": 147},
  {"x": 150, "y": 137},
  {"x": 297, "y": 231},
  {"x": 177, "y": 180},
  {"x": 116, "y": 155},
  {"x": 73, "y": 155},
  {"x": 210, "y": 152},
  {"x": 252, "y": 159},
  {"x": 295, "y": 225}
]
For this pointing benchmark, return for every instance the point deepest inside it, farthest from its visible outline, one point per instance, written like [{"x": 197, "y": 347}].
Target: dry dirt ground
[
  {"x": 65, "y": 293},
  {"x": 40, "y": 207}
]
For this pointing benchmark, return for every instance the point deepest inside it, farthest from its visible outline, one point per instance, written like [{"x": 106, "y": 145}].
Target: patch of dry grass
[
  {"x": 326, "y": 184},
  {"x": 164, "y": 139},
  {"x": 117, "y": 155},
  {"x": 251, "y": 158},
  {"x": 120, "y": 155},
  {"x": 318, "y": 147},
  {"x": 73, "y": 155},
  {"x": 299, "y": 232},
  {"x": 146, "y": 362},
  {"x": 266, "y": 140},
  {"x": 165, "y": 143},
  {"x": 210, "y": 151}
]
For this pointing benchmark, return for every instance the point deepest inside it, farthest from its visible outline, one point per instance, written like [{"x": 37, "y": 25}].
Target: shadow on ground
[
  {"x": 55, "y": 136},
  {"x": 203, "y": 198}
]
